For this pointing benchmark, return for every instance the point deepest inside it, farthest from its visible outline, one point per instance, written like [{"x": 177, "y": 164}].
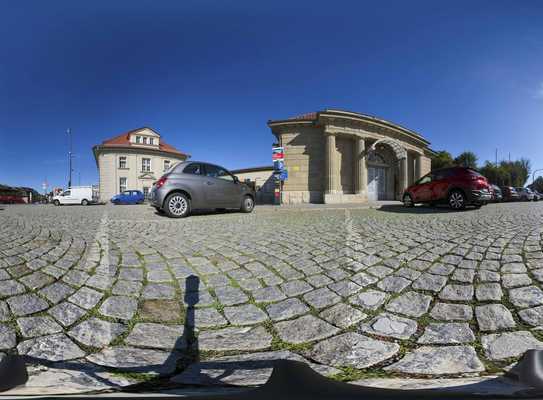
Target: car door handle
[{"x": 209, "y": 183}]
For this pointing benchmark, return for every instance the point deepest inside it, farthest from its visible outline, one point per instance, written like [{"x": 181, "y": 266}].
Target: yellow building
[
  {"x": 133, "y": 160},
  {"x": 336, "y": 156}
]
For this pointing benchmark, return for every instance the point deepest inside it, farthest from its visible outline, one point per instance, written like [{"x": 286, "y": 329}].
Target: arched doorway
[
  {"x": 384, "y": 158},
  {"x": 378, "y": 176}
]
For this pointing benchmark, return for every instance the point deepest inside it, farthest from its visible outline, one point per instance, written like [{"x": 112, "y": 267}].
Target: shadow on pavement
[
  {"x": 441, "y": 209},
  {"x": 203, "y": 212},
  {"x": 185, "y": 354}
]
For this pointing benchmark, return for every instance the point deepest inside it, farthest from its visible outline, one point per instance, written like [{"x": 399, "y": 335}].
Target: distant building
[
  {"x": 336, "y": 156},
  {"x": 262, "y": 179},
  {"x": 133, "y": 160}
]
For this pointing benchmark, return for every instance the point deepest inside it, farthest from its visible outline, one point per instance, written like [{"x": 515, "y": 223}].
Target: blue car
[{"x": 128, "y": 197}]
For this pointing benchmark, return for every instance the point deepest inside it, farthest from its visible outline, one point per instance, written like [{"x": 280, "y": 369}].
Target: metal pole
[
  {"x": 69, "y": 132},
  {"x": 496, "y": 158}
]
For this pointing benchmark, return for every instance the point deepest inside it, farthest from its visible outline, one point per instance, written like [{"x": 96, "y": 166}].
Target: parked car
[
  {"x": 509, "y": 193},
  {"x": 537, "y": 195},
  {"x": 128, "y": 197},
  {"x": 525, "y": 194},
  {"x": 496, "y": 193},
  {"x": 83, "y": 195},
  {"x": 194, "y": 185},
  {"x": 456, "y": 186}
]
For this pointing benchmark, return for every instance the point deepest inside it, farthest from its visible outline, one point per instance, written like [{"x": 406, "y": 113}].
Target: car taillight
[{"x": 161, "y": 182}]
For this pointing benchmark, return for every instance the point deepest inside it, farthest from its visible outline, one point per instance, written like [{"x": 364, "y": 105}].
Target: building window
[
  {"x": 122, "y": 184},
  {"x": 145, "y": 192},
  {"x": 144, "y": 140},
  {"x": 122, "y": 162},
  {"x": 146, "y": 165},
  {"x": 138, "y": 139},
  {"x": 166, "y": 165},
  {"x": 151, "y": 140}
]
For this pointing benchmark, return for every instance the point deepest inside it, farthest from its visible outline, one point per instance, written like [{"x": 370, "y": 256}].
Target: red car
[{"x": 456, "y": 186}]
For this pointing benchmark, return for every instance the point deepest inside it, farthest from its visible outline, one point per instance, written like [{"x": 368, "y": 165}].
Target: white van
[{"x": 83, "y": 195}]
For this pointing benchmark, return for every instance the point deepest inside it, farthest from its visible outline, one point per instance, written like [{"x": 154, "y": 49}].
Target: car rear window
[{"x": 473, "y": 172}]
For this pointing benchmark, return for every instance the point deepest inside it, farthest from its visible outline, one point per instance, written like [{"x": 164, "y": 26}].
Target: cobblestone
[{"x": 114, "y": 286}]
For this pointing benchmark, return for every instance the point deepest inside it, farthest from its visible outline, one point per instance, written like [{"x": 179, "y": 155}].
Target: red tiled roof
[
  {"x": 123, "y": 140},
  {"x": 306, "y": 117}
]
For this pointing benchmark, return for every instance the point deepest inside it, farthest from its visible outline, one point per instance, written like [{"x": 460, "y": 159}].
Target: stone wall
[
  {"x": 426, "y": 165},
  {"x": 304, "y": 160}
]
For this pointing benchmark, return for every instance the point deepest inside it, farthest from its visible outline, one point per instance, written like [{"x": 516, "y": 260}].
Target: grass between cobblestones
[{"x": 347, "y": 373}]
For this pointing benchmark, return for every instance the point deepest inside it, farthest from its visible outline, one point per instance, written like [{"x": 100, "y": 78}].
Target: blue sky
[{"x": 207, "y": 75}]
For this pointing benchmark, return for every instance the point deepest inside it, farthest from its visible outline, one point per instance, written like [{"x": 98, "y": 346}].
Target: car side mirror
[{"x": 236, "y": 179}]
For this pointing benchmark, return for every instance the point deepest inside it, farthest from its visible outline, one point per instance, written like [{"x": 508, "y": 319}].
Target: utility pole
[
  {"x": 496, "y": 157},
  {"x": 69, "y": 132}
]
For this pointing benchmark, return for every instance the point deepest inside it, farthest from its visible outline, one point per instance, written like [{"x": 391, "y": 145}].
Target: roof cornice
[{"x": 321, "y": 117}]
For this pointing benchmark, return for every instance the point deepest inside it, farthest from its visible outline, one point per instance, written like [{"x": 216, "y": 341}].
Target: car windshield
[{"x": 248, "y": 182}]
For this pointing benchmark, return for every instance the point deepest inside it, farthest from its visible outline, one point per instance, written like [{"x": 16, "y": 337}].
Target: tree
[
  {"x": 442, "y": 159},
  {"x": 492, "y": 173},
  {"x": 466, "y": 159},
  {"x": 537, "y": 185},
  {"x": 508, "y": 173}
]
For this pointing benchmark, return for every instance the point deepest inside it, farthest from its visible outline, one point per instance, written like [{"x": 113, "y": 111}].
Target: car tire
[
  {"x": 457, "y": 200},
  {"x": 408, "y": 200},
  {"x": 84, "y": 202},
  {"x": 177, "y": 205},
  {"x": 56, "y": 203},
  {"x": 247, "y": 204}
]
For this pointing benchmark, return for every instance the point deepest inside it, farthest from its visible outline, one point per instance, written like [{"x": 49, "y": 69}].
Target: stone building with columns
[{"x": 336, "y": 156}]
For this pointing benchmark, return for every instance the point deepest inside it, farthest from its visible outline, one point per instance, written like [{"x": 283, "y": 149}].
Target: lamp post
[{"x": 69, "y": 132}]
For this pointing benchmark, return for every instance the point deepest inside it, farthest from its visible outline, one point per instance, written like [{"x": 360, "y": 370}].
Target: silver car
[
  {"x": 192, "y": 185},
  {"x": 525, "y": 194}
]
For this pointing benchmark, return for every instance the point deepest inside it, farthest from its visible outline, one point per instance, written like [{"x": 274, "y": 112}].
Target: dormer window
[
  {"x": 138, "y": 139},
  {"x": 151, "y": 140},
  {"x": 144, "y": 140}
]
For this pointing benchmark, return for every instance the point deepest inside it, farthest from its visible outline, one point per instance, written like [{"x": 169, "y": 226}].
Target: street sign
[
  {"x": 278, "y": 153},
  {"x": 283, "y": 175},
  {"x": 278, "y": 165}
]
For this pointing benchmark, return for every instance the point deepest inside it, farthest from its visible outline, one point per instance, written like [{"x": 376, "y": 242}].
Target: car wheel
[
  {"x": 84, "y": 202},
  {"x": 408, "y": 201},
  {"x": 457, "y": 200},
  {"x": 56, "y": 203},
  {"x": 247, "y": 204},
  {"x": 177, "y": 205}
]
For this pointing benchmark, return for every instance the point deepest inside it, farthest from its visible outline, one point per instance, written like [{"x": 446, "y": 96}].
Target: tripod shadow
[{"x": 183, "y": 358}]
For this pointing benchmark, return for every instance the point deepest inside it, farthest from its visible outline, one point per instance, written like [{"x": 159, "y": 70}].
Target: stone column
[
  {"x": 361, "y": 174},
  {"x": 403, "y": 175},
  {"x": 331, "y": 173},
  {"x": 418, "y": 166}
]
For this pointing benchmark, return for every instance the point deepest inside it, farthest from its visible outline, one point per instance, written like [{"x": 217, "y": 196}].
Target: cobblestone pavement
[{"x": 215, "y": 298}]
